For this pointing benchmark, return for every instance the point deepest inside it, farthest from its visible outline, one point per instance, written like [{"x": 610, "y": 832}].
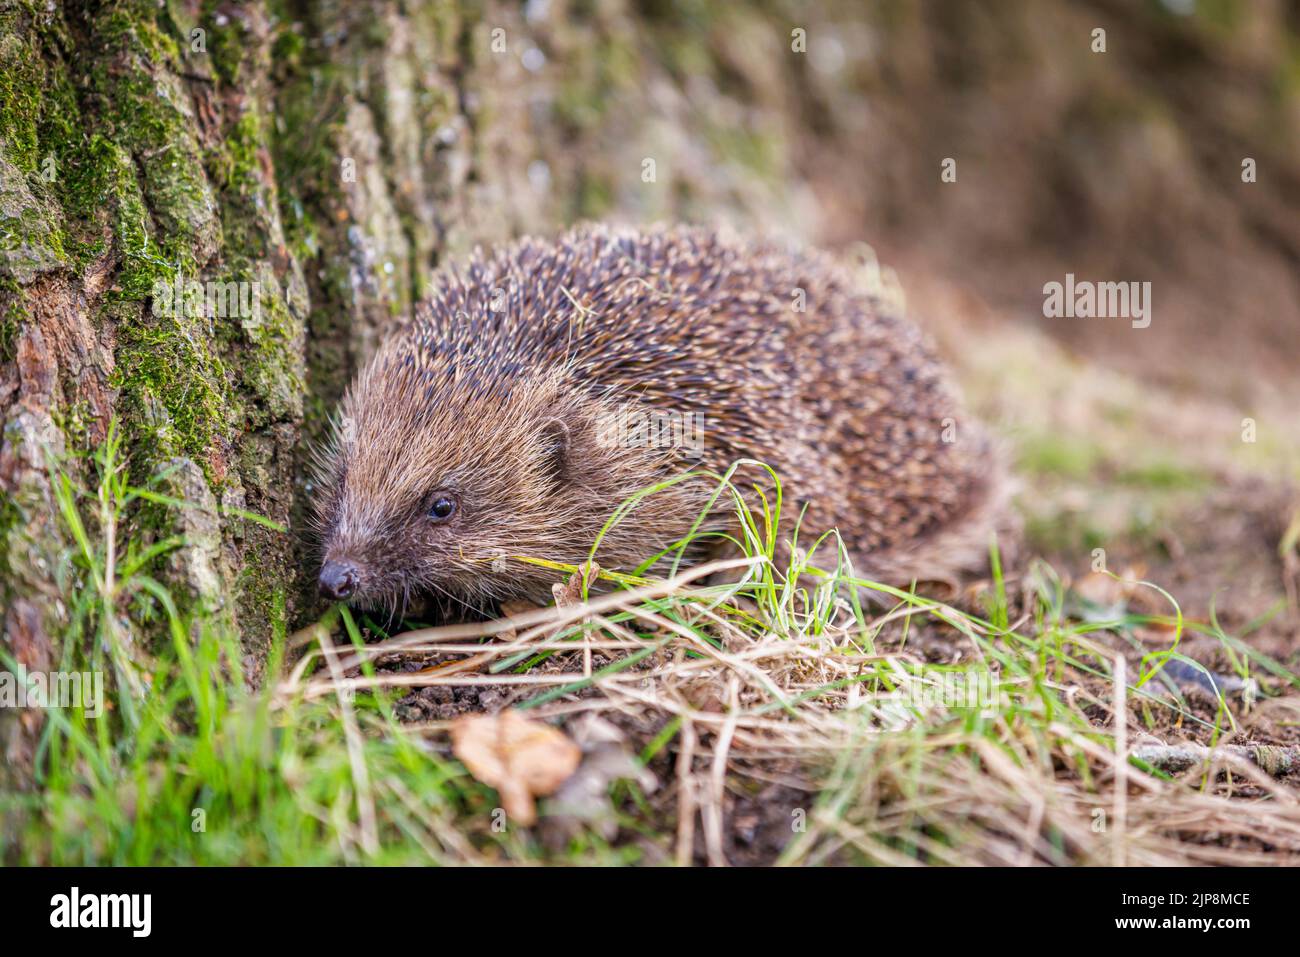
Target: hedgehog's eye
[{"x": 442, "y": 505}]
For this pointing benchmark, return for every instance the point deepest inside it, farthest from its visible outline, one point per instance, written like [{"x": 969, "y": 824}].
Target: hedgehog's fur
[{"x": 518, "y": 363}]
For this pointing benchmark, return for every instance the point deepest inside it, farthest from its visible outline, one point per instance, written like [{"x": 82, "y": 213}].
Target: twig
[
  {"x": 1276, "y": 760},
  {"x": 356, "y": 756},
  {"x": 718, "y": 778},
  {"x": 686, "y": 796},
  {"x": 1120, "y": 718}
]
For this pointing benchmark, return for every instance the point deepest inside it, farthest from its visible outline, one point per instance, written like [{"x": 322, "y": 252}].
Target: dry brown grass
[{"x": 789, "y": 686}]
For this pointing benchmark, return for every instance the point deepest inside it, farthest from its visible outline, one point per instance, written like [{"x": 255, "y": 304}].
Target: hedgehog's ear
[{"x": 555, "y": 446}]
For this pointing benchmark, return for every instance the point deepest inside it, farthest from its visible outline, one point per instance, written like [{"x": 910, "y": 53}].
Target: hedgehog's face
[{"x": 441, "y": 498}]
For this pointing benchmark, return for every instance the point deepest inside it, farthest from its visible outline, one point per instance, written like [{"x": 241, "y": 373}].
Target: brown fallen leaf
[
  {"x": 570, "y": 593},
  {"x": 514, "y": 606},
  {"x": 522, "y": 759}
]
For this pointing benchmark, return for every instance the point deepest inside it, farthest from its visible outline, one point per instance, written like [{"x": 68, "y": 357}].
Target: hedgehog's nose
[{"x": 338, "y": 580}]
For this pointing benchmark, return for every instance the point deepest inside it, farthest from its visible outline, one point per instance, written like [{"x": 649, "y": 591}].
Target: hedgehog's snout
[{"x": 339, "y": 580}]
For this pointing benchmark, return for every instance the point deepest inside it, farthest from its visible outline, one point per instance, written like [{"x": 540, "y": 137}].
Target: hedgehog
[{"x": 541, "y": 386}]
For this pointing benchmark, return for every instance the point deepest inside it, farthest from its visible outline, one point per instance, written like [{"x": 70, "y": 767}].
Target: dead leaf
[
  {"x": 513, "y": 606},
  {"x": 570, "y": 593},
  {"x": 522, "y": 759}
]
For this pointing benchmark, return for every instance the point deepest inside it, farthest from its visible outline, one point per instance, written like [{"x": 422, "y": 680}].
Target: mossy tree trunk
[{"x": 326, "y": 156}]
